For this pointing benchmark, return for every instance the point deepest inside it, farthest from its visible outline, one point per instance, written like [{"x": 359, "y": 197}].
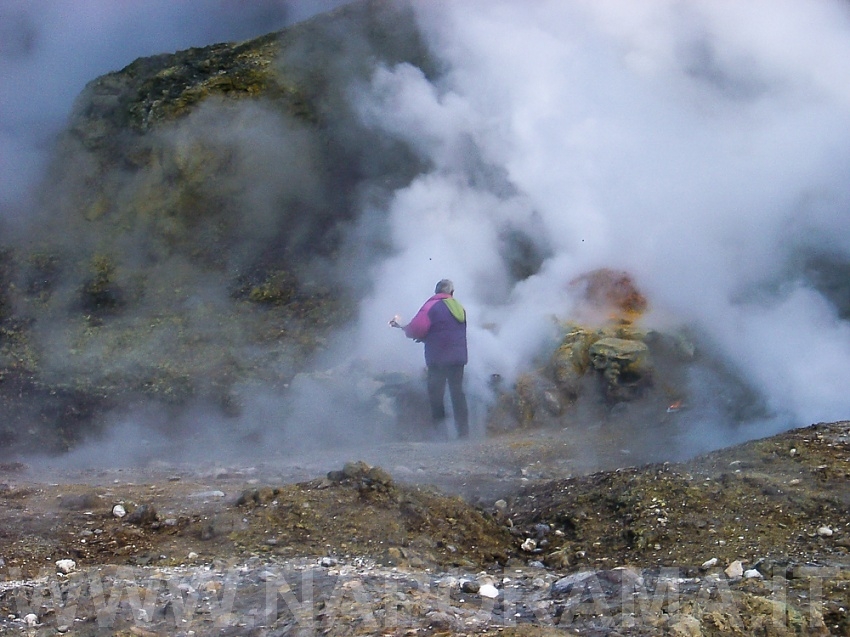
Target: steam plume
[{"x": 701, "y": 146}]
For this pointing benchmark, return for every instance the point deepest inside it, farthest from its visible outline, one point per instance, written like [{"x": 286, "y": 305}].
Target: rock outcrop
[{"x": 192, "y": 227}]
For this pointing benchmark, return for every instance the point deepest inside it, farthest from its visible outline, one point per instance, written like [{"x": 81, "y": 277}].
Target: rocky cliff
[
  {"x": 193, "y": 225},
  {"x": 196, "y": 241}
]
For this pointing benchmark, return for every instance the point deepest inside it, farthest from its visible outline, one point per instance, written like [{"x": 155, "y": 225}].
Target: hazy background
[{"x": 702, "y": 146}]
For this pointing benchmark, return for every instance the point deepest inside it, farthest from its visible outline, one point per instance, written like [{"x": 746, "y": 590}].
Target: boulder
[{"x": 623, "y": 364}]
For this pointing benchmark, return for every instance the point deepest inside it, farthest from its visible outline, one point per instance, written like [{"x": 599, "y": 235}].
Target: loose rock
[
  {"x": 488, "y": 590},
  {"x": 735, "y": 570}
]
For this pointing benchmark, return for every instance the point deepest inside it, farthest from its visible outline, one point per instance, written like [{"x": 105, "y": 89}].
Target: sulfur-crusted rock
[{"x": 624, "y": 365}]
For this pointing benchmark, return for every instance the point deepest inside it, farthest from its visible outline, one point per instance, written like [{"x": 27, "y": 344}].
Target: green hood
[{"x": 456, "y": 309}]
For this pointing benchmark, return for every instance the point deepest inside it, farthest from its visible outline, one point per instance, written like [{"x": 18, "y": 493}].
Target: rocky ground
[{"x": 523, "y": 535}]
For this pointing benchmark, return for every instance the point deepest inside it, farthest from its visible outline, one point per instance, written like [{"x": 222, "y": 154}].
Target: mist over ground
[{"x": 702, "y": 147}]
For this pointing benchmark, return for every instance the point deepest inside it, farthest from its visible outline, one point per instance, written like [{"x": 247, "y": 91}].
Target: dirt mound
[{"x": 362, "y": 511}]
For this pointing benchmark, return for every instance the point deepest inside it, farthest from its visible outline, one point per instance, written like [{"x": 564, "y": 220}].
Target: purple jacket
[{"x": 441, "y": 324}]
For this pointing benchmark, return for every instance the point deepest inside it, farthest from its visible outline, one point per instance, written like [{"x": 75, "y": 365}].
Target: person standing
[{"x": 441, "y": 325}]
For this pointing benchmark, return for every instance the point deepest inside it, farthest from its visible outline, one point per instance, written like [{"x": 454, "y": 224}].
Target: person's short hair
[{"x": 445, "y": 286}]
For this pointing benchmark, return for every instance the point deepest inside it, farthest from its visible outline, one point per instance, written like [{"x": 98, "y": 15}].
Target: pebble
[
  {"x": 66, "y": 566},
  {"x": 735, "y": 570},
  {"x": 709, "y": 563},
  {"x": 142, "y": 515},
  {"x": 328, "y": 562},
  {"x": 501, "y": 505},
  {"x": 753, "y": 573},
  {"x": 529, "y": 545},
  {"x": 447, "y": 582},
  {"x": 119, "y": 511},
  {"x": 566, "y": 584},
  {"x": 825, "y": 531},
  {"x": 31, "y": 619},
  {"x": 208, "y": 494},
  {"x": 488, "y": 590}
]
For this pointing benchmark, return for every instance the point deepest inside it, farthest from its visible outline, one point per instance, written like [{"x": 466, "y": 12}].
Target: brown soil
[{"x": 766, "y": 503}]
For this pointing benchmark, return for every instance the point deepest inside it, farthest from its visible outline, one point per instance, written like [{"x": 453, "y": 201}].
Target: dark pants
[{"x": 438, "y": 376}]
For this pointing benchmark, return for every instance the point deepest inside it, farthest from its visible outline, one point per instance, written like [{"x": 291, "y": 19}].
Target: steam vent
[
  {"x": 209, "y": 425},
  {"x": 193, "y": 244}
]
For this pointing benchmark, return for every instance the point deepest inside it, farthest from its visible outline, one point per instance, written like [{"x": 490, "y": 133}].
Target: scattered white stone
[
  {"x": 448, "y": 582},
  {"x": 31, "y": 619},
  {"x": 735, "y": 570},
  {"x": 488, "y": 590},
  {"x": 529, "y": 545},
  {"x": 753, "y": 573},
  {"x": 208, "y": 494},
  {"x": 66, "y": 566},
  {"x": 328, "y": 562},
  {"x": 501, "y": 505},
  {"x": 566, "y": 584},
  {"x": 192, "y": 555},
  {"x": 709, "y": 563},
  {"x": 119, "y": 511},
  {"x": 825, "y": 531}
]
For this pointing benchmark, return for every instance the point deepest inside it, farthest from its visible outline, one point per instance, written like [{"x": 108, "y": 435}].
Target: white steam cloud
[{"x": 702, "y": 146}]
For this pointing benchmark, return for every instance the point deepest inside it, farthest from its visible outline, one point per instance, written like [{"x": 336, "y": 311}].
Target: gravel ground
[{"x": 519, "y": 534}]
